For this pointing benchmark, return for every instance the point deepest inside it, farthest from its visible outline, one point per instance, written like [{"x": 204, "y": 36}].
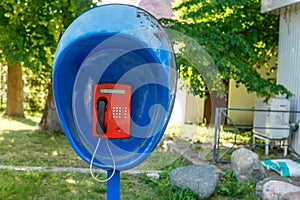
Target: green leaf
[{"x": 236, "y": 36}]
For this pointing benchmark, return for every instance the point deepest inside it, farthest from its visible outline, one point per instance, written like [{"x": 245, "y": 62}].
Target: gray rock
[
  {"x": 260, "y": 184},
  {"x": 291, "y": 196},
  {"x": 247, "y": 166},
  {"x": 275, "y": 190},
  {"x": 201, "y": 179}
]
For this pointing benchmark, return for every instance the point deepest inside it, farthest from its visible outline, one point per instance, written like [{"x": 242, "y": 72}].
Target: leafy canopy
[
  {"x": 238, "y": 38},
  {"x": 30, "y": 29}
]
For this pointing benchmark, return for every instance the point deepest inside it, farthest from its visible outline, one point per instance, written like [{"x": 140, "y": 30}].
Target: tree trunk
[
  {"x": 15, "y": 93},
  {"x": 50, "y": 121}
]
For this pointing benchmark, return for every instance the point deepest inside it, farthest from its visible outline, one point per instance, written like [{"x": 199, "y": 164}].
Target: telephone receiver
[
  {"x": 101, "y": 106},
  {"x": 111, "y": 110}
]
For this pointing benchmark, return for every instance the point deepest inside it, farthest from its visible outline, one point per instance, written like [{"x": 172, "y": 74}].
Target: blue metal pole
[{"x": 113, "y": 186}]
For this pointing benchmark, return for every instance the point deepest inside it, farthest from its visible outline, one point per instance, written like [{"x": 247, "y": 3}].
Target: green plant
[
  {"x": 201, "y": 135},
  {"x": 238, "y": 39},
  {"x": 229, "y": 186},
  {"x": 197, "y": 147},
  {"x": 172, "y": 131},
  {"x": 36, "y": 89},
  {"x": 163, "y": 186},
  {"x": 242, "y": 136}
]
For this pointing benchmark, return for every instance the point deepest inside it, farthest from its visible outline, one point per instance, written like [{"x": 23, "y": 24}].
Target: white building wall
[
  {"x": 179, "y": 109},
  {"x": 288, "y": 73},
  {"x": 194, "y": 112},
  {"x": 270, "y": 5}
]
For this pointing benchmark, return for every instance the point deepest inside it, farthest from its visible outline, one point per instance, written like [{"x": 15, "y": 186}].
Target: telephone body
[{"x": 111, "y": 110}]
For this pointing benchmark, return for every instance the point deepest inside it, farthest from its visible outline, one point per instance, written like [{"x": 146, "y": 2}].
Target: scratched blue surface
[{"x": 115, "y": 44}]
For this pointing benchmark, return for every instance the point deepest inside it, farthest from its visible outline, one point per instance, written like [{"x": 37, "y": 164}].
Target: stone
[
  {"x": 201, "y": 179},
  {"x": 260, "y": 184},
  {"x": 275, "y": 190},
  {"x": 291, "y": 196},
  {"x": 247, "y": 166}
]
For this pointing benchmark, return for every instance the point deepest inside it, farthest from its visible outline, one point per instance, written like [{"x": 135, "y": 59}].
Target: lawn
[
  {"x": 73, "y": 185},
  {"x": 22, "y": 145}
]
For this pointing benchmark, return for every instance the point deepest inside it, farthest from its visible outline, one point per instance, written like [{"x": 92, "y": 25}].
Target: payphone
[
  {"x": 116, "y": 101},
  {"x": 111, "y": 110}
]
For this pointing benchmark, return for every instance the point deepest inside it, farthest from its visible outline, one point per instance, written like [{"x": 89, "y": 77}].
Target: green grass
[
  {"x": 229, "y": 186},
  {"x": 22, "y": 145},
  {"x": 72, "y": 185},
  {"x": 46, "y": 185}
]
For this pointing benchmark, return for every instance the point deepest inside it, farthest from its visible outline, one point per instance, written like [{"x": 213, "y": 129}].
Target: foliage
[
  {"x": 241, "y": 136},
  {"x": 195, "y": 133},
  {"x": 30, "y": 33},
  {"x": 236, "y": 35},
  {"x": 229, "y": 186},
  {"x": 25, "y": 36},
  {"x": 31, "y": 29},
  {"x": 35, "y": 90}
]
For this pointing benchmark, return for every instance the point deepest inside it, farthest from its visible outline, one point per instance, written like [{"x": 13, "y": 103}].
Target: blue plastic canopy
[{"x": 123, "y": 44}]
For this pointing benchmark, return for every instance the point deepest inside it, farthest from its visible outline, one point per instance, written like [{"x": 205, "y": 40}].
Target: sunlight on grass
[
  {"x": 45, "y": 185},
  {"x": 35, "y": 148},
  {"x": 158, "y": 160},
  {"x": 195, "y": 133},
  {"x": 14, "y": 123},
  {"x": 21, "y": 144},
  {"x": 28, "y": 185}
]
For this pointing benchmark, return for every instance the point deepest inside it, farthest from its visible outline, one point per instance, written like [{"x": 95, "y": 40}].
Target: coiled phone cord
[{"x": 92, "y": 161}]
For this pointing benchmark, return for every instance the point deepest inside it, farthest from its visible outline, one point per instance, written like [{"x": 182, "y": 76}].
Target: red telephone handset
[{"x": 111, "y": 110}]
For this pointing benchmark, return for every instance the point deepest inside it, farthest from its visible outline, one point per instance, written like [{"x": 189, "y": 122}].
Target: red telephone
[{"x": 111, "y": 110}]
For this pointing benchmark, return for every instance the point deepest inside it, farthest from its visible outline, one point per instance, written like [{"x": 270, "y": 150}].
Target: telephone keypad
[{"x": 119, "y": 112}]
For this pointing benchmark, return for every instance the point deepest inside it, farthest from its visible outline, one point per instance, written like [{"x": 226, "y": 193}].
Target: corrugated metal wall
[{"x": 289, "y": 58}]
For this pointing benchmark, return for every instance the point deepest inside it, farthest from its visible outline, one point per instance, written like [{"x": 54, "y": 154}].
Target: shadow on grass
[
  {"x": 25, "y": 121},
  {"x": 36, "y": 148}
]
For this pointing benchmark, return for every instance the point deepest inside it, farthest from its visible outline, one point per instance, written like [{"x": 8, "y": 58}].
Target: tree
[
  {"x": 236, "y": 35},
  {"x": 30, "y": 32},
  {"x": 24, "y": 41},
  {"x": 50, "y": 120},
  {"x": 15, "y": 93}
]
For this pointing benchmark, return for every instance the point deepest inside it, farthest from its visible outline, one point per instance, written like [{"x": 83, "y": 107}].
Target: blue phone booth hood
[{"x": 115, "y": 44}]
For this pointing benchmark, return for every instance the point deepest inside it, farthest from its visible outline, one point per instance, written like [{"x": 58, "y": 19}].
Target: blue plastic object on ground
[{"x": 115, "y": 44}]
